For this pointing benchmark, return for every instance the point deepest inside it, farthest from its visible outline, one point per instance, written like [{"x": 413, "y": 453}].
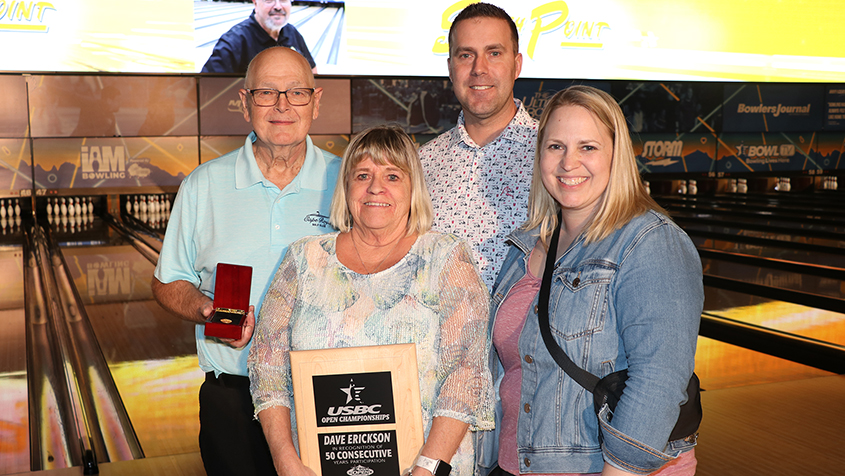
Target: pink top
[{"x": 509, "y": 321}]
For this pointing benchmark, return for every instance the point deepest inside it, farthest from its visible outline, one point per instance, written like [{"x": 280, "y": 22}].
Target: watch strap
[{"x": 435, "y": 466}]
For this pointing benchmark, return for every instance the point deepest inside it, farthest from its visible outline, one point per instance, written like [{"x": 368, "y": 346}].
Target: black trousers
[{"x": 231, "y": 440}]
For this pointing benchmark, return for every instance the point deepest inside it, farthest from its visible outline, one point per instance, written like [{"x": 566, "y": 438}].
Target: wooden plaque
[{"x": 357, "y": 409}]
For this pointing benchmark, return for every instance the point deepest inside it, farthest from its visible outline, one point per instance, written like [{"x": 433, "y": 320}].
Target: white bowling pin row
[
  {"x": 688, "y": 188},
  {"x": 148, "y": 204},
  {"x": 784, "y": 184},
  {"x": 73, "y": 206},
  {"x": 155, "y": 220},
  {"x": 7, "y": 209},
  {"x": 738, "y": 185},
  {"x": 830, "y": 183},
  {"x": 71, "y": 223},
  {"x": 10, "y": 225}
]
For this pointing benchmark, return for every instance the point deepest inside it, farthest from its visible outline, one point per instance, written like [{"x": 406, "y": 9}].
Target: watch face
[{"x": 443, "y": 469}]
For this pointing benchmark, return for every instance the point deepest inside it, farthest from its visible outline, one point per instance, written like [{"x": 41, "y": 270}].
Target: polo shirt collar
[{"x": 311, "y": 176}]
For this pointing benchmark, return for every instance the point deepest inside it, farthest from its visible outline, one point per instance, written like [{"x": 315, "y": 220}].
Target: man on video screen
[{"x": 267, "y": 26}]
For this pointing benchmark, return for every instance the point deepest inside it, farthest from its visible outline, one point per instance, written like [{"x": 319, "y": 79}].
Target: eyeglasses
[
  {"x": 271, "y": 2},
  {"x": 266, "y": 97}
]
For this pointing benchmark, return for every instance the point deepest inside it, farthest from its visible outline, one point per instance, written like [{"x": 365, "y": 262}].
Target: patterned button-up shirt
[{"x": 481, "y": 193}]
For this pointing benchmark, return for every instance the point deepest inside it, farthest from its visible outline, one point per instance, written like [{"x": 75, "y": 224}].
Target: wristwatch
[{"x": 436, "y": 466}]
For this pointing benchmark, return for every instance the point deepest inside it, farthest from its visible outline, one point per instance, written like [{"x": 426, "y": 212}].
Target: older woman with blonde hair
[
  {"x": 384, "y": 278},
  {"x": 624, "y": 292}
]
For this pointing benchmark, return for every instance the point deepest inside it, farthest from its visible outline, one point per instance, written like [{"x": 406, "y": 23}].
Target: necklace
[{"x": 380, "y": 262}]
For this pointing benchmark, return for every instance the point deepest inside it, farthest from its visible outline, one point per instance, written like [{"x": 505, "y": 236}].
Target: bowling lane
[
  {"x": 810, "y": 255},
  {"x": 766, "y": 272},
  {"x": 824, "y": 325},
  {"x": 150, "y": 353},
  {"x": 720, "y": 365},
  {"x": 789, "y": 236},
  {"x": 14, "y": 417}
]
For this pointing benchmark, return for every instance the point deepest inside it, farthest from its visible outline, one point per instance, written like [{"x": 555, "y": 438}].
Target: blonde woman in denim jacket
[{"x": 626, "y": 294}]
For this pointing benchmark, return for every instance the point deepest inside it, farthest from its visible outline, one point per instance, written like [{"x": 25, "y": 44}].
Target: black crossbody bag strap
[
  {"x": 584, "y": 378},
  {"x": 689, "y": 418}
]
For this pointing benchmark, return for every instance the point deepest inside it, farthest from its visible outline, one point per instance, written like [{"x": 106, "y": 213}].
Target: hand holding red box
[{"x": 231, "y": 301}]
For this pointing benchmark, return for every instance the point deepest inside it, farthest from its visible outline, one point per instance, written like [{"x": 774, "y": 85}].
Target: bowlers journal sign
[{"x": 357, "y": 409}]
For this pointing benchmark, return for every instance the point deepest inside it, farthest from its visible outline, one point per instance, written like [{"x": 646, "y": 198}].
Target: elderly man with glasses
[
  {"x": 245, "y": 208},
  {"x": 267, "y": 26}
]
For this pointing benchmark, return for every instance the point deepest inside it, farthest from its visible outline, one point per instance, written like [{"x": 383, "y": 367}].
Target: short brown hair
[{"x": 484, "y": 10}]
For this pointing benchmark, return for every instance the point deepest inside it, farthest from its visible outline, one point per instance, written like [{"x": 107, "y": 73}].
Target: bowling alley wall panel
[
  {"x": 102, "y": 134},
  {"x": 121, "y": 133}
]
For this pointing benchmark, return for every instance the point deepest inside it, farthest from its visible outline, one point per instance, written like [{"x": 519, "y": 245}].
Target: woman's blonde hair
[
  {"x": 384, "y": 145},
  {"x": 625, "y": 196}
]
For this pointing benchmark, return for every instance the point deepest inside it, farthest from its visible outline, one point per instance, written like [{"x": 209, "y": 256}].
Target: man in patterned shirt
[{"x": 479, "y": 172}]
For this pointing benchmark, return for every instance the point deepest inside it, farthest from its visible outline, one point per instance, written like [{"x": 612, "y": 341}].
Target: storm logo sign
[
  {"x": 354, "y": 399},
  {"x": 111, "y": 162},
  {"x": 661, "y": 153},
  {"x": 23, "y": 15}
]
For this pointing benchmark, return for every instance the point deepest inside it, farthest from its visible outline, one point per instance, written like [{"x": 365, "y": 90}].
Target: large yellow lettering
[
  {"x": 569, "y": 29},
  {"x": 24, "y": 11},
  {"x": 441, "y": 44},
  {"x": 538, "y": 14},
  {"x": 42, "y": 8}
]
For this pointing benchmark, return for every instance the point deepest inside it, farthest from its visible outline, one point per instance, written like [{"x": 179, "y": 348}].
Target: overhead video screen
[{"x": 691, "y": 40}]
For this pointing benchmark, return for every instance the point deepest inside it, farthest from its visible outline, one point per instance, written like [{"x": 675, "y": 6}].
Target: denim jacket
[{"x": 632, "y": 300}]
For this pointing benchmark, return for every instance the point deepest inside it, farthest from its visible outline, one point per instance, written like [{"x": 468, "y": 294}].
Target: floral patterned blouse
[{"x": 432, "y": 297}]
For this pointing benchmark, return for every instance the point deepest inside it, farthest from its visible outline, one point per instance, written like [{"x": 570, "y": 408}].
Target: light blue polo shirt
[{"x": 227, "y": 212}]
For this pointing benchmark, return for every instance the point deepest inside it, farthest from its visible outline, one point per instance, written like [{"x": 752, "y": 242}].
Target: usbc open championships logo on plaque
[{"x": 356, "y": 399}]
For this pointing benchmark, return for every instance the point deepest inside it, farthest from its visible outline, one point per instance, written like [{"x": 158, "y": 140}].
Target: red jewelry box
[{"x": 231, "y": 301}]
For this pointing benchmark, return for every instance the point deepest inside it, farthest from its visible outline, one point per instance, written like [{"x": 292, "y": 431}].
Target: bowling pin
[
  {"x": 63, "y": 207},
  {"x": 693, "y": 187},
  {"x": 77, "y": 208},
  {"x": 90, "y": 206},
  {"x": 49, "y": 207},
  {"x": 129, "y": 205},
  {"x": 2, "y": 209},
  {"x": 683, "y": 189},
  {"x": 17, "y": 207},
  {"x": 144, "y": 207}
]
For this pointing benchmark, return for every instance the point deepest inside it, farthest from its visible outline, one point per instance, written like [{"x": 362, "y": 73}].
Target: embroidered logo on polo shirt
[{"x": 317, "y": 219}]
